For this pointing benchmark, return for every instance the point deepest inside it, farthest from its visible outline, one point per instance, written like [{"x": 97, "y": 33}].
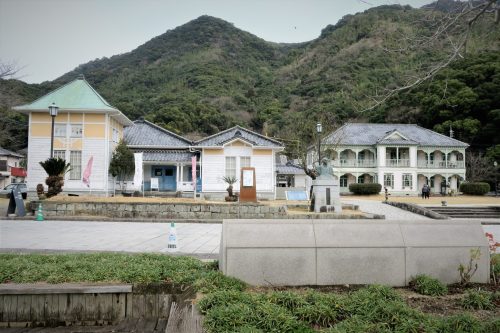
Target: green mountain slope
[{"x": 207, "y": 75}]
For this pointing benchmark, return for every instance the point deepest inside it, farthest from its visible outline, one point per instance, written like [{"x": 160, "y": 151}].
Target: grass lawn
[{"x": 231, "y": 306}]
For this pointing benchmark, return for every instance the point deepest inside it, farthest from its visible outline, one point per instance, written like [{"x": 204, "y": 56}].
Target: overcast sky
[{"x": 48, "y": 38}]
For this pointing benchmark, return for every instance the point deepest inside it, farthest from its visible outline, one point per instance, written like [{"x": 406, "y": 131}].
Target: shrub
[
  {"x": 228, "y": 318},
  {"x": 365, "y": 189},
  {"x": 462, "y": 323},
  {"x": 475, "y": 188},
  {"x": 225, "y": 297},
  {"x": 274, "y": 318},
  {"x": 478, "y": 299},
  {"x": 426, "y": 285},
  {"x": 215, "y": 280}
]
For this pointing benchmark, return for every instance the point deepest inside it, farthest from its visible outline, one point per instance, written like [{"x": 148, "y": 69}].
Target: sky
[{"x": 47, "y": 38}]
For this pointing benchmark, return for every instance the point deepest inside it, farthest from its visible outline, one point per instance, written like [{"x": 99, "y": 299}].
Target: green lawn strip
[{"x": 100, "y": 267}]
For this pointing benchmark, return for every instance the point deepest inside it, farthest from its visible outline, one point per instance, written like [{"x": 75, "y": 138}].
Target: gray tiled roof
[
  {"x": 143, "y": 133},
  {"x": 289, "y": 169},
  {"x": 166, "y": 155},
  {"x": 223, "y": 137},
  {"x": 5, "y": 152},
  {"x": 372, "y": 134}
]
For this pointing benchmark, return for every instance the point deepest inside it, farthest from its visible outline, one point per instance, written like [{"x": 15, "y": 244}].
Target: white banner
[{"x": 138, "y": 172}]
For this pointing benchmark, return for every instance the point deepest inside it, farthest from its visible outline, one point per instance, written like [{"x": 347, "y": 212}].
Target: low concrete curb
[{"x": 413, "y": 208}]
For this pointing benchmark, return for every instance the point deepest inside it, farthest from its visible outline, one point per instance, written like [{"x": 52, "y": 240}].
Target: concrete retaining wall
[
  {"x": 202, "y": 211},
  {"x": 417, "y": 210},
  {"x": 77, "y": 304},
  {"x": 335, "y": 252}
]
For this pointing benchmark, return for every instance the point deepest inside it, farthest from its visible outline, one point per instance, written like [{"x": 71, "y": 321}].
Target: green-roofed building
[{"x": 86, "y": 127}]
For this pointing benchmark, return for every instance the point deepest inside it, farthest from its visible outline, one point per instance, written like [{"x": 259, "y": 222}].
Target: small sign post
[
  {"x": 248, "y": 189},
  {"x": 16, "y": 200}
]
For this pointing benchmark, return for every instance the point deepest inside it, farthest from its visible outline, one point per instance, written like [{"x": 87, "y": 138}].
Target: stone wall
[{"x": 202, "y": 211}]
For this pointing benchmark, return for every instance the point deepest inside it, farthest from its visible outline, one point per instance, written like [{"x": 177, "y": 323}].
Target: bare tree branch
[
  {"x": 8, "y": 70},
  {"x": 460, "y": 24}
]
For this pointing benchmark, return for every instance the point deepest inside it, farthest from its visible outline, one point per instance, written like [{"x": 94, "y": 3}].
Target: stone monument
[{"x": 326, "y": 190}]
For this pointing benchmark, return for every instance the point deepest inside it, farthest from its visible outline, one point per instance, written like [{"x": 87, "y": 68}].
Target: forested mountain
[{"x": 207, "y": 75}]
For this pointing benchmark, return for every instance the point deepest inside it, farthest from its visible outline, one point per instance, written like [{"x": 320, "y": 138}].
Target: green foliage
[
  {"x": 122, "y": 163},
  {"x": 55, "y": 166},
  {"x": 215, "y": 280},
  {"x": 230, "y": 180},
  {"x": 102, "y": 267},
  {"x": 426, "y": 285},
  {"x": 365, "y": 189},
  {"x": 475, "y": 188},
  {"x": 468, "y": 270},
  {"x": 478, "y": 299},
  {"x": 462, "y": 323}
]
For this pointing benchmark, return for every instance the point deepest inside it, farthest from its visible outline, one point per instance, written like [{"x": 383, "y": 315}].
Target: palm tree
[{"x": 55, "y": 168}]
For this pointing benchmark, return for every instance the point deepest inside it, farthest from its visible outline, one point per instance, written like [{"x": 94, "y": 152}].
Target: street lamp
[
  {"x": 496, "y": 180},
  {"x": 319, "y": 129},
  {"x": 53, "y": 113}
]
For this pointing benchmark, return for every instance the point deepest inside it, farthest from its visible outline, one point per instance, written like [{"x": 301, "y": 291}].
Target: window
[
  {"x": 407, "y": 180},
  {"x": 230, "y": 166},
  {"x": 343, "y": 181},
  {"x": 60, "y": 130},
  {"x": 158, "y": 172},
  {"x": 60, "y": 154},
  {"x": 169, "y": 172},
  {"x": 75, "y": 158},
  {"x": 76, "y": 130},
  {"x": 3, "y": 165},
  {"x": 361, "y": 179},
  {"x": 116, "y": 135},
  {"x": 389, "y": 180},
  {"x": 245, "y": 162}
]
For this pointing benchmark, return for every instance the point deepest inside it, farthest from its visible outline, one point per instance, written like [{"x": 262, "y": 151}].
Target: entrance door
[{"x": 166, "y": 175}]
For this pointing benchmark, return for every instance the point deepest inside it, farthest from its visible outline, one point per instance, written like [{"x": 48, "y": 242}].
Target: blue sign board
[{"x": 297, "y": 195}]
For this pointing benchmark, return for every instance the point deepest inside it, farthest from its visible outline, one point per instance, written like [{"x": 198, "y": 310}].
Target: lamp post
[
  {"x": 53, "y": 113},
  {"x": 319, "y": 129},
  {"x": 496, "y": 179}
]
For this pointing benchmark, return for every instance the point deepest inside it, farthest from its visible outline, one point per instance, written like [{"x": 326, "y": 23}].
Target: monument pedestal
[{"x": 326, "y": 196}]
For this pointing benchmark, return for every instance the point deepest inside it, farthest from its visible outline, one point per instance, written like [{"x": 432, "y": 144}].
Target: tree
[
  {"x": 8, "y": 70},
  {"x": 479, "y": 168},
  {"x": 55, "y": 168},
  {"x": 454, "y": 24},
  {"x": 122, "y": 164}
]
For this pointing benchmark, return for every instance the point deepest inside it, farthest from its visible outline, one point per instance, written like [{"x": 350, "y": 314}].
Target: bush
[
  {"x": 365, "y": 189},
  {"x": 427, "y": 285},
  {"x": 475, "y": 188},
  {"x": 462, "y": 323},
  {"x": 478, "y": 299}
]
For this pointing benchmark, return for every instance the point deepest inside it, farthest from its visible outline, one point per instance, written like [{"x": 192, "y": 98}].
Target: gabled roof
[
  {"x": 146, "y": 134},
  {"x": 5, "y": 152},
  {"x": 238, "y": 133},
  {"x": 357, "y": 134},
  {"x": 77, "y": 95},
  {"x": 394, "y": 137}
]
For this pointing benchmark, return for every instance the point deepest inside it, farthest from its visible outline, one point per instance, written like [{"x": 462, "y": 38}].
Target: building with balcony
[
  {"x": 401, "y": 157},
  {"x": 10, "y": 168}
]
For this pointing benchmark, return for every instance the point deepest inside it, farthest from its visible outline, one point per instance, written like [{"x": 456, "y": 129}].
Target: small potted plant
[
  {"x": 40, "y": 191},
  {"x": 230, "y": 180}
]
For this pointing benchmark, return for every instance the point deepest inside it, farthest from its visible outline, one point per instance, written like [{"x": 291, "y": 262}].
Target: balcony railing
[
  {"x": 344, "y": 163},
  {"x": 397, "y": 162},
  {"x": 440, "y": 164}
]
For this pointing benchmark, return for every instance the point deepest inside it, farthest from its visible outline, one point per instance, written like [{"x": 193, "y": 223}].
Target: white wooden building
[
  {"x": 225, "y": 153},
  {"x": 86, "y": 126},
  {"x": 401, "y": 157}
]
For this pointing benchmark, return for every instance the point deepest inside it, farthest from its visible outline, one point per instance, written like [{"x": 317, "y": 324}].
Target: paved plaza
[{"x": 196, "y": 239}]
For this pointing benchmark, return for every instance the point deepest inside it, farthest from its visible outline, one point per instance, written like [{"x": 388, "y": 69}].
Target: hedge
[
  {"x": 369, "y": 188},
  {"x": 475, "y": 188}
]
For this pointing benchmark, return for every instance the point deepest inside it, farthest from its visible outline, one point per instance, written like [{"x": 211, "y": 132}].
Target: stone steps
[{"x": 468, "y": 212}]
